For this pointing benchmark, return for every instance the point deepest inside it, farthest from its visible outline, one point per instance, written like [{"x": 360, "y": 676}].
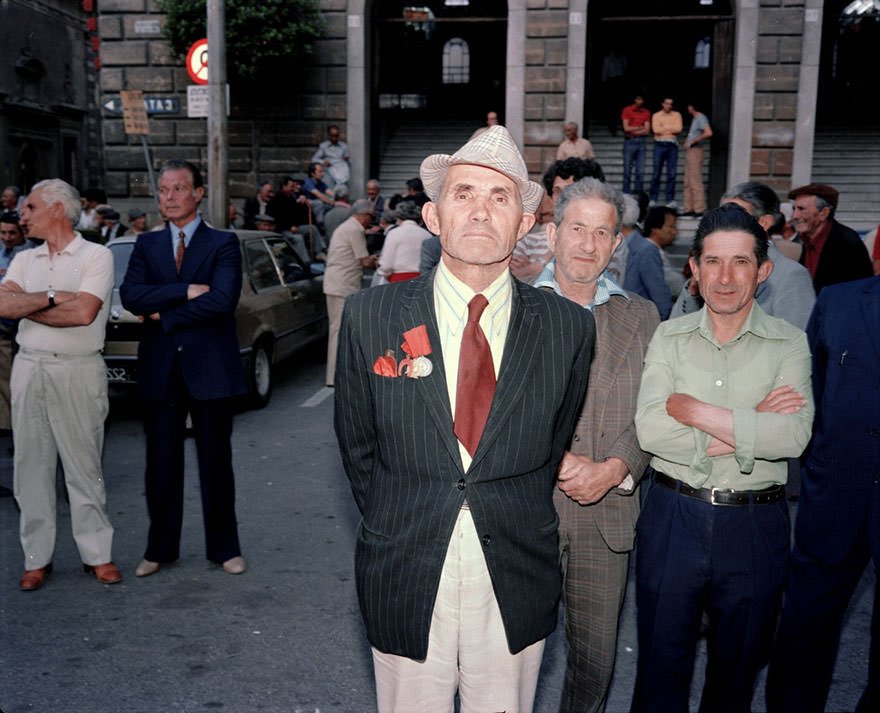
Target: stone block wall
[
  {"x": 778, "y": 55},
  {"x": 546, "y": 48},
  {"x": 267, "y": 138}
]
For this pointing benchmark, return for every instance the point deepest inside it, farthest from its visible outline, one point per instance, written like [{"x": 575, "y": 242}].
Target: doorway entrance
[
  {"x": 663, "y": 48},
  {"x": 436, "y": 63}
]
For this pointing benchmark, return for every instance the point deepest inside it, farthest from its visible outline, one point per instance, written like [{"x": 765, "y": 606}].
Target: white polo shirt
[{"x": 80, "y": 267}]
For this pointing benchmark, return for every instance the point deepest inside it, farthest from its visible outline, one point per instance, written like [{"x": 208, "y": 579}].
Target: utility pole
[{"x": 218, "y": 163}]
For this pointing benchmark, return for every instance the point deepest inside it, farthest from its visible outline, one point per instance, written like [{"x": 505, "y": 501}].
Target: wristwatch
[{"x": 51, "y": 295}]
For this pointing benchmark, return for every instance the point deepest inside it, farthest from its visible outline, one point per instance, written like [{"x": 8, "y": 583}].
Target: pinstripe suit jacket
[
  {"x": 605, "y": 428},
  {"x": 402, "y": 458}
]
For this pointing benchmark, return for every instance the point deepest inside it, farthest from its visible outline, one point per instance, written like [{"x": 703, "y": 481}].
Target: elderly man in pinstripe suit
[
  {"x": 600, "y": 472},
  {"x": 452, "y": 453}
]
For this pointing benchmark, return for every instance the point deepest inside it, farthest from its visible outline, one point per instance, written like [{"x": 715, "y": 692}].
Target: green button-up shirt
[{"x": 684, "y": 357}]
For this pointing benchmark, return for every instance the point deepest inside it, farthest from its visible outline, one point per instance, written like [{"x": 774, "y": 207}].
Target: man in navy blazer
[
  {"x": 837, "y": 531},
  {"x": 456, "y": 561},
  {"x": 184, "y": 282}
]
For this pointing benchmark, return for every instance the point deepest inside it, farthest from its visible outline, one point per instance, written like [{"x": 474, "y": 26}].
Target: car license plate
[{"x": 117, "y": 374}]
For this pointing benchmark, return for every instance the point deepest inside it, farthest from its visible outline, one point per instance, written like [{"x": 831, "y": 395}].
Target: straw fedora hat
[{"x": 494, "y": 148}]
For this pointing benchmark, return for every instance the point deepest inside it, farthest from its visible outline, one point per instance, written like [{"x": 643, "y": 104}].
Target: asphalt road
[{"x": 286, "y": 636}]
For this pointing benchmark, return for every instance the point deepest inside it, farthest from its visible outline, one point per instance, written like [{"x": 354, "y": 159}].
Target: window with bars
[{"x": 456, "y": 62}]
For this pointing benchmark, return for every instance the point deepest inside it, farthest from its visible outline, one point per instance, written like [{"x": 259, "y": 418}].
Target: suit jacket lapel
[
  {"x": 524, "y": 334},
  {"x": 199, "y": 248},
  {"x": 418, "y": 308},
  {"x": 165, "y": 256},
  {"x": 871, "y": 312}
]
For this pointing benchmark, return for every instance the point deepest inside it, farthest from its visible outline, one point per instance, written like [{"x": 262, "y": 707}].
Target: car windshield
[{"x": 121, "y": 253}]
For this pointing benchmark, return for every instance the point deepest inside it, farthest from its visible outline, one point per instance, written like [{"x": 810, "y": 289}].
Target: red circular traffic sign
[{"x": 197, "y": 62}]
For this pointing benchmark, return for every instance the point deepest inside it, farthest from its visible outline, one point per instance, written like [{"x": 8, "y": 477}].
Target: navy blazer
[
  {"x": 402, "y": 458},
  {"x": 200, "y": 332},
  {"x": 842, "y": 465}
]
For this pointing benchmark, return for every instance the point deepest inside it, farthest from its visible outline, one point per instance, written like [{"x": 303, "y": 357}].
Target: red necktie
[
  {"x": 476, "y": 379},
  {"x": 181, "y": 246}
]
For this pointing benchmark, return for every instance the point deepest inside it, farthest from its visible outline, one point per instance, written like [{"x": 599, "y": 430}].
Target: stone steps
[{"x": 406, "y": 147}]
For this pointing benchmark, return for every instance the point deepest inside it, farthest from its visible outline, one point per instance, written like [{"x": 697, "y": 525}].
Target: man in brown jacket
[{"x": 596, "y": 498}]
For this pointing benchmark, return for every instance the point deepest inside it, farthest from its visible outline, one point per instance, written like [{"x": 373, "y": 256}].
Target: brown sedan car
[{"x": 281, "y": 309}]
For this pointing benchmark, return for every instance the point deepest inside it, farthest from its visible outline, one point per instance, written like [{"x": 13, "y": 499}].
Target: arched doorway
[
  {"x": 847, "y": 93},
  {"x": 438, "y": 64}
]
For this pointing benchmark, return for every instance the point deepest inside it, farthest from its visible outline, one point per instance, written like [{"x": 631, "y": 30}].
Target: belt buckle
[{"x": 713, "y": 491}]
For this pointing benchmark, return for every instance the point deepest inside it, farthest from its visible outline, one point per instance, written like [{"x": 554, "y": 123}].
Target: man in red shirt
[
  {"x": 832, "y": 252},
  {"x": 636, "y": 126}
]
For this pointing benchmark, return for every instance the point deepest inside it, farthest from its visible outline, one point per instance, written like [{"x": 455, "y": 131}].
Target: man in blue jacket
[
  {"x": 837, "y": 531},
  {"x": 184, "y": 282}
]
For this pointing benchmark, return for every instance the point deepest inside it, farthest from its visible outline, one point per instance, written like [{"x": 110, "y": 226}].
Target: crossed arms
[{"x": 72, "y": 309}]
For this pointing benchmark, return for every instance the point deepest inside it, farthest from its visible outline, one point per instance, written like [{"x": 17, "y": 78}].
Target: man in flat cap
[
  {"x": 456, "y": 396},
  {"x": 832, "y": 252},
  {"x": 112, "y": 228},
  {"x": 138, "y": 220}
]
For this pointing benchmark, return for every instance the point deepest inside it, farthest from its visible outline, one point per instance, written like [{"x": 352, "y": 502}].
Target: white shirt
[{"x": 80, "y": 267}]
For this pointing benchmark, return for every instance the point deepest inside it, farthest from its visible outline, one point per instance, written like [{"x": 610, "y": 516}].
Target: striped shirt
[{"x": 451, "y": 298}]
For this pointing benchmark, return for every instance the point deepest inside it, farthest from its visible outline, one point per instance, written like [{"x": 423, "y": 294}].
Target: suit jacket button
[
  {"x": 487, "y": 540},
  {"x": 180, "y": 348},
  {"x": 461, "y": 484}
]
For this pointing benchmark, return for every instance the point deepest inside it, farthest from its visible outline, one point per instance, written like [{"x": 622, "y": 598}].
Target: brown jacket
[{"x": 605, "y": 427}]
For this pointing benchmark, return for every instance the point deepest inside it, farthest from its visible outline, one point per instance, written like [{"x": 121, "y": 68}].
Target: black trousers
[
  {"x": 691, "y": 557},
  {"x": 165, "y": 426}
]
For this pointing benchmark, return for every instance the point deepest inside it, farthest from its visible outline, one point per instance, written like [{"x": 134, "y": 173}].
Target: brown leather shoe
[
  {"x": 33, "y": 578},
  {"x": 105, "y": 573}
]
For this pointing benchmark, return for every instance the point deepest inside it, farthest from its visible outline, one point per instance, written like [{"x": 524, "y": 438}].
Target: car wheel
[{"x": 260, "y": 375}]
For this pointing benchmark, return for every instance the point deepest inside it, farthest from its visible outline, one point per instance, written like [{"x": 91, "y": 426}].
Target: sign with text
[
  {"x": 153, "y": 105},
  {"x": 198, "y": 102},
  {"x": 134, "y": 113}
]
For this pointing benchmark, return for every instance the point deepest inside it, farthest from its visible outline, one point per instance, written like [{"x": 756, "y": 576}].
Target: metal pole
[
  {"x": 218, "y": 164},
  {"x": 150, "y": 171}
]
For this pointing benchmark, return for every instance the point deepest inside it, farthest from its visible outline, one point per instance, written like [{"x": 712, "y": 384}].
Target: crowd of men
[
  {"x": 509, "y": 445},
  {"x": 681, "y": 449}
]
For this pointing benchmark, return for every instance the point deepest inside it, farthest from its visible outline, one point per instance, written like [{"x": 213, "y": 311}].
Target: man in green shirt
[{"x": 725, "y": 398}]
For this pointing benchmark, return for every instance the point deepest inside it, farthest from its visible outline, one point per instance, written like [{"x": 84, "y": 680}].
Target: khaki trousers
[
  {"x": 694, "y": 196},
  {"x": 335, "y": 303},
  {"x": 59, "y": 404},
  {"x": 467, "y": 646}
]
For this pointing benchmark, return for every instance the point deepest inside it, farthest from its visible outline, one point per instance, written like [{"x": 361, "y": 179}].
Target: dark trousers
[
  {"x": 691, "y": 557},
  {"x": 816, "y": 600},
  {"x": 633, "y": 161},
  {"x": 165, "y": 426},
  {"x": 665, "y": 152}
]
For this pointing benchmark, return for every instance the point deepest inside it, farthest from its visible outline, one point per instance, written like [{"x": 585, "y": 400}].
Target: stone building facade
[
  {"x": 49, "y": 121},
  {"x": 762, "y": 88}
]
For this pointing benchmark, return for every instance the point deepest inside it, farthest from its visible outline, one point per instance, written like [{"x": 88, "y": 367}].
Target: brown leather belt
[{"x": 720, "y": 496}]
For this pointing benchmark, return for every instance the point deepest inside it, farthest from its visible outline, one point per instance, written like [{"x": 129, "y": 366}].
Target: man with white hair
[
  {"x": 61, "y": 293},
  {"x": 347, "y": 258},
  {"x": 452, "y": 452}
]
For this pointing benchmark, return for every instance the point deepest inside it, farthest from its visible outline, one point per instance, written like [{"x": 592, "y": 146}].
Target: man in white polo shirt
[{"x": 61, "y": 293}]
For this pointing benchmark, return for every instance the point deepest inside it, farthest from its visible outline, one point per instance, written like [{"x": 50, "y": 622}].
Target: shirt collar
[
  {"x": 188, "y": 231},
  {"x": 70, "y": 249},
  {"x": 606, "y": 287},
  {"x": 758, "y": 323},
  {"x": 456, "y": 295}
]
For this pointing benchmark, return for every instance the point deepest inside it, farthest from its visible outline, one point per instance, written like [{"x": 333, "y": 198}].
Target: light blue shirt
[
  {"x": 605, "y": 285},
  {"x": 188, "y": 230}
]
